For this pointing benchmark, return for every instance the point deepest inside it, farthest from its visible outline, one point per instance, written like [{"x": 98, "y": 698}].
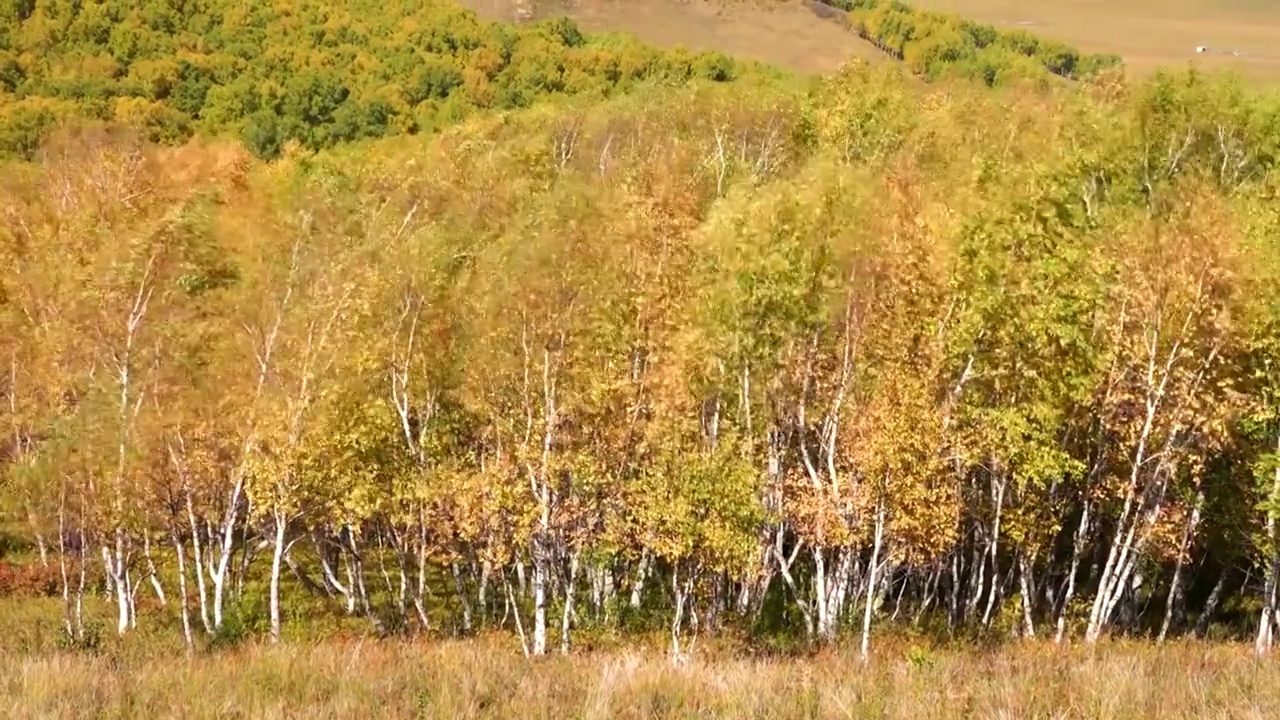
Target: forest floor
[
  {"x": 1240, "y": 34},
  {"x": 488, "y": 678}
]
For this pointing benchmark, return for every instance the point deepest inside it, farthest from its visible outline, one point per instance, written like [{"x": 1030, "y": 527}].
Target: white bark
[
  {"x": 461, "y": 591},
  {"x": 1175, "y": 585},
  {"x": 119, "y": 572},
  {"x": 152, "y": 575},
  {"x": 871, "y": 584},
  {"x": 1146, "y": 489},
  {"x": 515, "y": 610},
  {"x": 1025, "y": 585},
  {"x": 218, "y": 572},
  {"x": 567, "y": 617},
  {"x": 680, "y": 593},
  {"x": 539, "y": 603},
  {"x": 1267, "y": 619},
  {"x": 1077, "y": 548},
  {"x": 999, "y": 484},
  {"x": 277, "y": 556},
  {"x": 176, "y": 456},
  {"x": 183, "y": 600},
  {"x": 637, "y": 584}
]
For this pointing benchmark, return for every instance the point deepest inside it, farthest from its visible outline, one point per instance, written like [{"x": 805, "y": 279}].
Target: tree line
[
  {"x": 937, "y": 45},
  {"x": 749, "y": 359}
]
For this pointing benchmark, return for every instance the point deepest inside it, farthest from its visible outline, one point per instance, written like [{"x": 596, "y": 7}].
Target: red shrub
[{"x": 30, "y": 580}]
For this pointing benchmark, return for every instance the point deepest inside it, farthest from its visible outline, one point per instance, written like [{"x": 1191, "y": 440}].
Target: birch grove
[{"x": 819, "y": 365}]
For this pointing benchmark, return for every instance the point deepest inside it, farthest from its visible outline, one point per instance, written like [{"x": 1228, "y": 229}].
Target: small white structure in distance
[{"x": 1201, "y": 49}]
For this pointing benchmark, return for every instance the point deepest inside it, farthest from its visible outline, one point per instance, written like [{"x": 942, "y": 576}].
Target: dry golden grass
[{"x": 486, "y": 679}]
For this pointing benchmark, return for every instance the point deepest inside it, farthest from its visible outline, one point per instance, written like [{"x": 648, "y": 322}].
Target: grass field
[
  {"x": 487, "y": 678},
  {"x": 1147, "y": 33}
]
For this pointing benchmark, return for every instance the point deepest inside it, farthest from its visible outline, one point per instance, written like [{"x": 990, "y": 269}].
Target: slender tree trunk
[
  {"x": 197, "y": 551},
  {"x": 1077, "y": 548},
  {"x": 461, "y": 591},
  {"x": 994, "y": 549},
  {"x": 1211, "y": 605},
  {"x": 133, "y": 601},
  {"x": 569, "y": 586},
  {"x": 219, "y": 576},
  {"x": 1175, "y": 586},
  {"x": 977, "y": 578},
  {"x": 120, "y": 577},
  {"x": 929, "y": 596},
  {"x": 62, "y": 564},
  {"x": 346, "y": 590},
  {"x": 183, "y": 600},
  {"x": 419, "y": 597},
  {"x": 79, "y": 599},
  {"x": 784, "y": 567},
  {"x": 871, "y": 584},
  {"x": 1267, "y": 621},
  {"x": 152, "y": 575},
  {"x": 482, "y": 590},
  {"x": 515, "y": 610},
  {"x": 953, "y": 597},
  {"x": 42, "y": 547},
  {"x": 357, "y": 562},
  {"x": 824, "y": 629},
  {"x": 681, "y": 595},
  {"x": 277, "y": 557},
  {"x": 539, "y": 599},
  {"x": 1027, "y": 588},
  {"x": 637, "y": 585}
]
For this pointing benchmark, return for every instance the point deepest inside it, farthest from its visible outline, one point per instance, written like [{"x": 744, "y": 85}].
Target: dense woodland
[
  {"x": 754, "y": 356},
  {"x": 311, "y": 71}
]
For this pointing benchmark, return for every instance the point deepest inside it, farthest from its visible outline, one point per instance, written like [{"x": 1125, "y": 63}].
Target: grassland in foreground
[{"x": 487, "y": 679}]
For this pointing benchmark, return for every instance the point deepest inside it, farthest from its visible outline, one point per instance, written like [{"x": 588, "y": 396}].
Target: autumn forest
[{"x": 486, "y": 328}]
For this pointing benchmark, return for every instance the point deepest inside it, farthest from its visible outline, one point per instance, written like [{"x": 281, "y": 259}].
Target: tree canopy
[{"x": 315, "y": 73}]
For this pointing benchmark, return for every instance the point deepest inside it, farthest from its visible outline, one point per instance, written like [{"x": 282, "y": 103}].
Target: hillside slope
[
  {"x": 789, "y": 33},
  {"x": 1243, "y": 35}
]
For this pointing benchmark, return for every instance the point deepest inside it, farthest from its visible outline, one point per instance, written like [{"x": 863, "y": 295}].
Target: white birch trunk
[
  {"x": 152, "y": 575},
  {"x": 277, "y": 556},
  {"x": 183, "y": 600},
  {"x": 539, "y": 602},
  {"x": 637, "y": 584},
  {"x": 515, "y": 610},
  {"x": 461, "y": 591},
  {"x": 1267, "y": 619},
  {"x": 566, "y": 619},
  {"x": 1175, "y": 585},
  {"x": 994, "y": 550},
  {"x": 1025, "y": 584},
  {"x": 867, "y": 612},
  {"x": 1077, "y": 548}
]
